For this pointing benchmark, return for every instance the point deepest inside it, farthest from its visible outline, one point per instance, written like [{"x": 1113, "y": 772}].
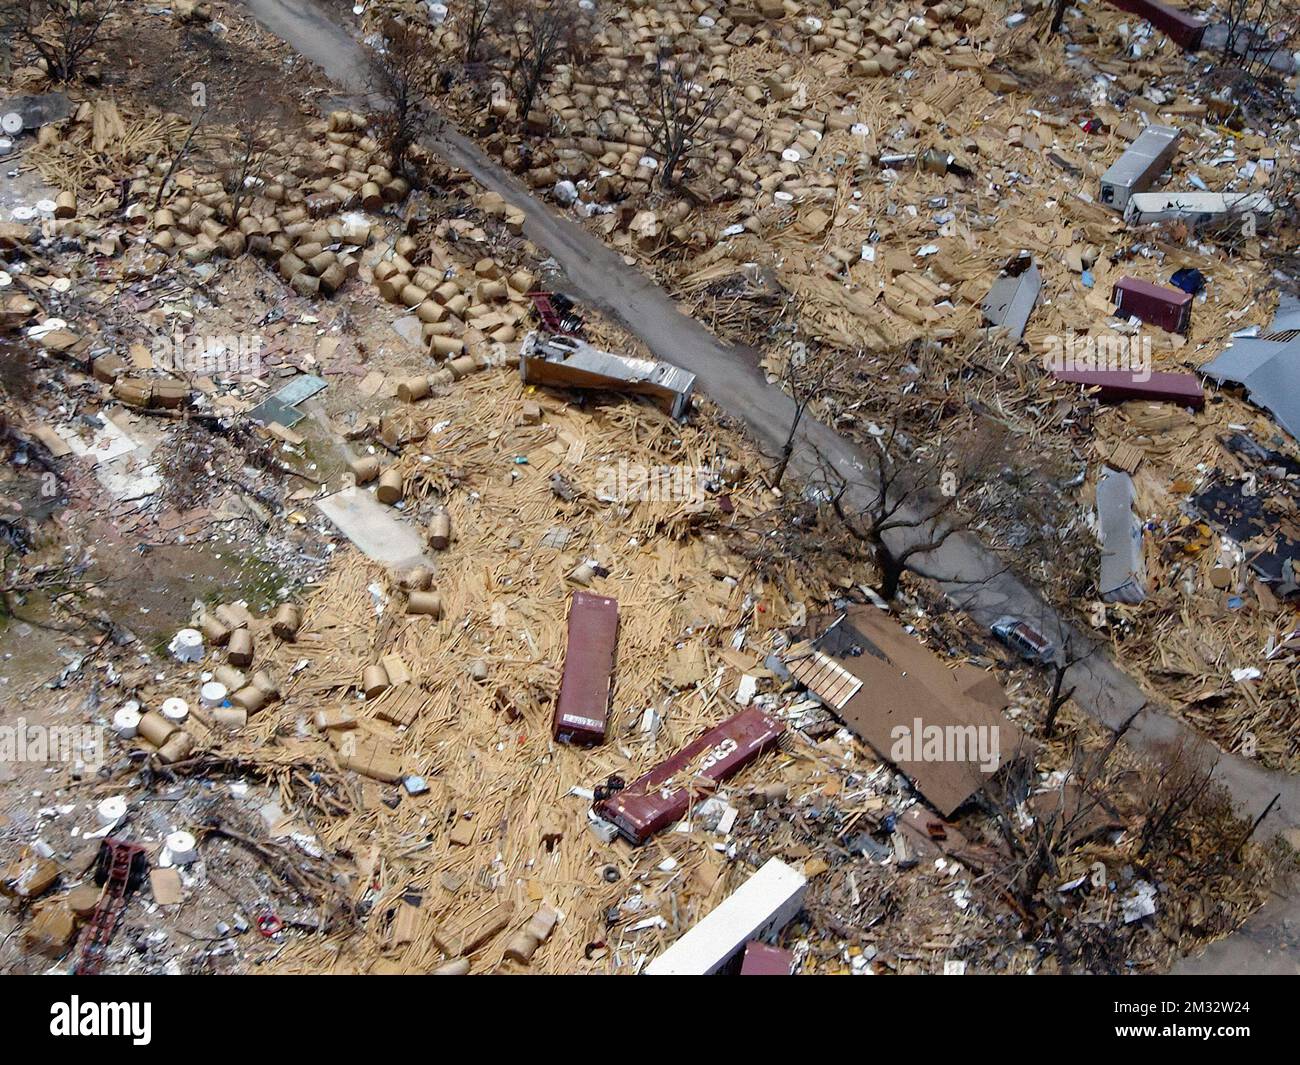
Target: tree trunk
[
  {"x": 891, "y": 572},
  {"x": 1058, "y": 16}
]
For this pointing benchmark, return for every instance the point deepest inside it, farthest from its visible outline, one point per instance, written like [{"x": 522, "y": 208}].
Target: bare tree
[
  {"x": 540, "y": 33},
  {"x": 1037, "y": 831},
  {"x": 1181, "y": 779},
  {"x": 676, "y": 109},
  {"x": 243, "y": 158},
  {"x": 399, "y": 74},
  {"x": 176, "y": 159},
  {"x": 804, "y": 382},
  {"x": 1257, "y": 30},
  {"x": 474, "y": 21},
  {"x": 1058, "y": 16},
  {"x": 60, "y": 32},
  {"x": 908, "y": 502}
]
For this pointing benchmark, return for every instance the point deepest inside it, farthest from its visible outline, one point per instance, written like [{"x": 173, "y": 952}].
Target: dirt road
[{"x": 730, "y": 375}]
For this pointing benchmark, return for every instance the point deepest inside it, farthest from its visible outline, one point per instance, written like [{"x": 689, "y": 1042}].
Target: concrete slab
[{"x": 373, "y": 528}]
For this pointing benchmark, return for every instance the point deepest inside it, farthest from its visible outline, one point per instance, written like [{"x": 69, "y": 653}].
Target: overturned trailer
[
  {"x": 664, "y": 795},
  {"x": 1199, "y": 208},
  {"x": 1140, "y": 165},
  {"x": 567, "y": 362}
]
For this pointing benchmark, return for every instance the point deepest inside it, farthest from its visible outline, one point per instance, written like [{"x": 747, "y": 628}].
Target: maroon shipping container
[
  {"x": 763, "y": 960},
  {"x": 663, "y": 795},
  {"x": 1187, "y": 30},
  {"x": 1168, "y": 308},
  {"x": 582, "y": 710},
  {"x": 1118, "y": 385}
]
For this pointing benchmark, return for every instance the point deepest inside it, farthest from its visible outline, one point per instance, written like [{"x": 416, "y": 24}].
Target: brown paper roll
[
  {"x": 365, "y": 469},
  {"x": 239, "y": 651},
  {"x": 286, "y": 621},
  {"x": 374, "y": 681},
  {"x": 440, "y": 531},
  {"x": 155, "y": 728},
  {"x": 390, "y": 487},
  {"x": 425, "y": 603}
]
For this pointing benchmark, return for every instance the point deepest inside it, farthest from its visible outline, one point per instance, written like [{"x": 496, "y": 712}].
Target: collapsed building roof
[
  {"x": 1268, "y": 366},
  {"x": 905, "y": 686}
]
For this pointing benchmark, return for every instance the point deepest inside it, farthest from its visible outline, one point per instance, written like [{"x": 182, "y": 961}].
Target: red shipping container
[
  {"x": 582, "y": 710},
  {"x": 663, "y": 795},
  {"x": 1168, "y": 308},
  {"x": 763, "y": 960},
  {"x": 1185, "y": 29},
  {"x": 1119, "y": 385}
]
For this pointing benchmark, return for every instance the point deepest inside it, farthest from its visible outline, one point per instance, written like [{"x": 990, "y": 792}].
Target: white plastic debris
[
  {"x": 126, "y": 722},
  {"x": 180, "y": 848},
  {"x": 187, "y": 646},
  {"x": 175, "y": 709},
  {"x": 213, "y": 694},
  {"x": 1141, "y": 903},
  {"x": 111, "y": 810}
]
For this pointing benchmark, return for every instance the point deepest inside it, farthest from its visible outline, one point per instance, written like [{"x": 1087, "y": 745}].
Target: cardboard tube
[
  {"x": 232, "y": 678},
  {"x": 263, "y": 681},
  {"x": 424, "y": 603},
  {"x": 304, "y": 284},
  {"x": 239, "y": 651},
  {"x": 417, "y": 579},
  {"x": 413, "y": 389},
  {"x": 390, "y": 487},
  {"x": 155, "y": 728},
  {"x": 286, "y": 621},
  {"x": 214, "y": 631},
  {"x": 364, "y": 469},
  {"x": 440, "y": 531},
  {"x": 445, "y": 347},
  {"x": 177, "y": 747},
  {"x": 250, "y": 699},
  {"x": 374, "y": 681}
]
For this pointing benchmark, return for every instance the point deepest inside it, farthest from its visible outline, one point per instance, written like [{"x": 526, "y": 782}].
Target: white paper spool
[
  {"x": 187, "y": 645},
  {"x": 24, "y": 213},
  {"x": 859, "y": 129},
  {"x": 813, "y": 24},
  {"x": 791, "y": 155},
  {"x": 649, "y": 162},
  {"x": 12, "y": 123},
  {"x": 46, "y": 206},
  {"x": 175, "y": 709},
  {"x": 213, "y": 694},
  {"x": 783, "y": 197},
  {"x": 111, "y": 810},
  {"x": 707, "y": 21},
  {"x": 182, "y": 848},
  {"x": 126, "y": 722}
]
